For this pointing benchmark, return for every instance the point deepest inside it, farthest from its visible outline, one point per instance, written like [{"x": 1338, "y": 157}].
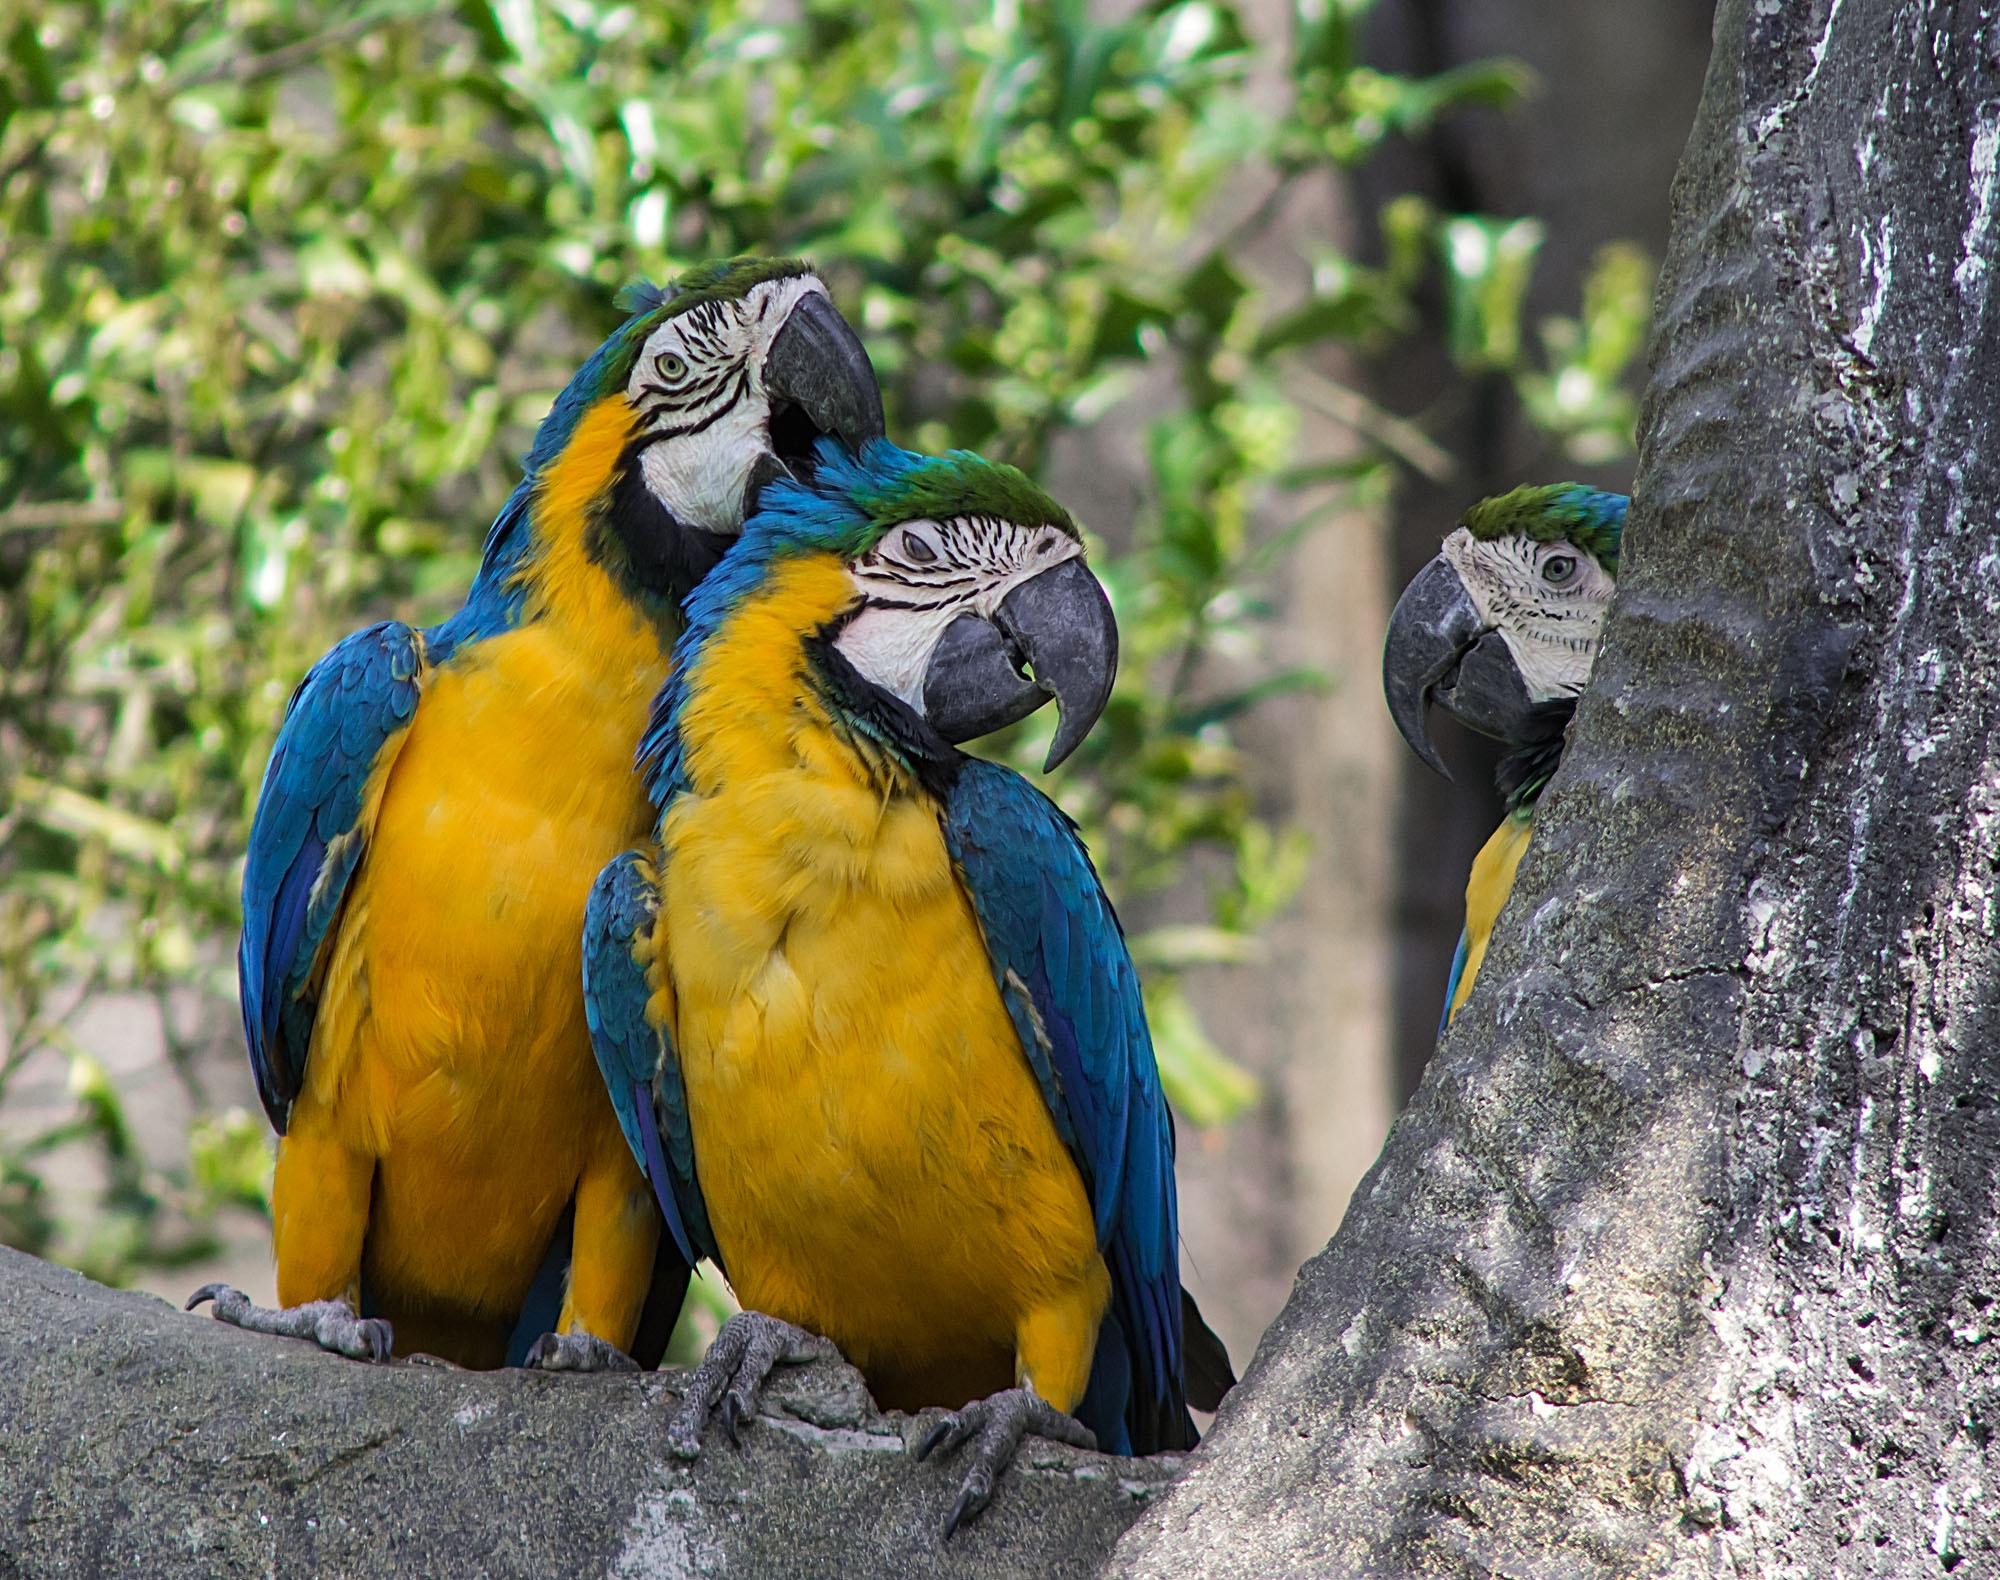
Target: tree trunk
[
  {"x": 1683, "y": 1259},
  {"x": 1590, "y": 152}
]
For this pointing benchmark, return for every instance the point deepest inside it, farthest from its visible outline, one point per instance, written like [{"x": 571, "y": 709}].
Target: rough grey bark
[
  {"x": 1591, "y": 153},
  {"x": 1683, "y": 1260},
  {"x": 138, "y": 1440}
]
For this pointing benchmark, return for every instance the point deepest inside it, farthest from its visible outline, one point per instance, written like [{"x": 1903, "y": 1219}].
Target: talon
[
  {"x": 330, "y": 1324},
  {"x": 1000, "y": 1422},
  {"x": 577, "y": 1352},
  {"x": 935, "y": 1437},
  {"x": 731, "y": 1377},
  {"x": 969, "y": 1503}
]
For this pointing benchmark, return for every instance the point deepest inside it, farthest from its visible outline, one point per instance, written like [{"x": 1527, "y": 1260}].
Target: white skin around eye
[
  {"x": 701, "y": 476},
  {"x": 910, "y": 599},
  {"x": 1551, "y": 630}
]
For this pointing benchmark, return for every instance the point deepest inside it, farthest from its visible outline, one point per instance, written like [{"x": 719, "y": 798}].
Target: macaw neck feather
[
  {"x": 553, "y": 553},
  {"x": 1524, "y": 772},
  {"x": 758, "y": 686}
]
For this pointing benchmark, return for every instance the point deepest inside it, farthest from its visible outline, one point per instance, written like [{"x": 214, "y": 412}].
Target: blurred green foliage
[{"x": 286, "y": 284}]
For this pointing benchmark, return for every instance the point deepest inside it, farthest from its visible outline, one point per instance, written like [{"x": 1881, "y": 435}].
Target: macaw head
[
  {"x": 953, "y": 588},
  {"x": 1500, "y": 630},
  {"x": 718, "y": 385}
]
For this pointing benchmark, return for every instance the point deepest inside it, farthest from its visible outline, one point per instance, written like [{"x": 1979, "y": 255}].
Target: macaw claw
[
  {"x": 999, "y": 1422},
  {"x": 331, "y": 1324},
  {"x": 577, "y": 1352},
  {"x": 732, "y": 1375}
]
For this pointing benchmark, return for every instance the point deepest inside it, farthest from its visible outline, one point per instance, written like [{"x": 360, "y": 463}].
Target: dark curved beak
[
  {"x": 1053, "y": 636},
  {"x": 818, "y": 365},
  {"x": 1440, "y": 650}
]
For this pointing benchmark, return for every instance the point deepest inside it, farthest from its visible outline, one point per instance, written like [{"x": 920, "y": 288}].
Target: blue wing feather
[
  {"x": 307, "y": 839},
  {"x": 1458, "y": 959},
  {"x": 635, "y": 1057},
  {"x": 1069, "y": 985}
]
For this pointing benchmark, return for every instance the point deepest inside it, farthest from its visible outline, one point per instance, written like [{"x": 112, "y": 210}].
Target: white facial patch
[
  {"x": 699, "y": 385},
  {"x": 923, "y": 575},
  {"x": 1547, "y": 601}
]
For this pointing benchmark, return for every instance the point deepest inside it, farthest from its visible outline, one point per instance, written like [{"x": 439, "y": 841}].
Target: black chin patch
[
  {"x": 766, "y": 470},
  {"x": 662, "y": 555},
  {"x": 887, "y": 721}
]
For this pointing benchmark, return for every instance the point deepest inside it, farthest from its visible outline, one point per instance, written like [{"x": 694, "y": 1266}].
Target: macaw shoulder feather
[
  {"x": 342, "y": 730},
  {"x": 635, "y": 1056}
]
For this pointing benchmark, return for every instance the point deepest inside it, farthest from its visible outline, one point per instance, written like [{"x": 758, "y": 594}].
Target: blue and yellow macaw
[
  {"x": 863, "y": 1007},
  {"x": 433, "y": 814},
  {"x": 1500, "y": 630}
]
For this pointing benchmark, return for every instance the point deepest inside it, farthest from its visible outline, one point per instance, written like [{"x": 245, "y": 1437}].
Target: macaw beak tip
[
  {"x": 1064, "y": 621},
  {"x": 1053, "y": 636},
  {"x": 1413, "y": 724},
  {"x": 1433, "y": 624}
]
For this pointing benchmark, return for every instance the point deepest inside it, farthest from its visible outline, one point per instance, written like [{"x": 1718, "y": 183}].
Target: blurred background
[{"x": 1266, "y": 292}]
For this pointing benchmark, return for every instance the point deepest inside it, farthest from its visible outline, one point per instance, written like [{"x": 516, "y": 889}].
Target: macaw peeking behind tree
[
  {"x": 1500, "y": 630},
  {"x": 433, "y": 814},
  {"x": 864, "y": 1009}
]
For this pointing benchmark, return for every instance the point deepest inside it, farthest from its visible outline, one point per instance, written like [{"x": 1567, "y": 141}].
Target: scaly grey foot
[
  {"x": 577, "y": 1352},
  {"x": 999, "y": 1421},
  {"x": 732, "y": 1374},
  {"x": 331, "y": 1324}
]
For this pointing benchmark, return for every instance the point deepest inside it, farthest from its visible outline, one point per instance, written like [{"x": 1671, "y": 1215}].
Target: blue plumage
[
  {"x": 354, "y": 704},
  {"x": 1051, "y": 931},
  {"x": 638, "y": 1066}
]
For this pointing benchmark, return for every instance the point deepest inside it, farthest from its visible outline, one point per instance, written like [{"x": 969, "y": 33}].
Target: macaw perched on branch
[
  {"x": 864, "y": 1009},
  {"x": 1500, "y": 630},
  {"x": 433, "y": 814}
]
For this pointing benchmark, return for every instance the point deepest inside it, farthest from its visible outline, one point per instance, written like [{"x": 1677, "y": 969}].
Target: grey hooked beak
[
  {"x": 1053, "y": 636},
  {"x": 818, "y": 364},
  {"x": 1440, "y": 650}
]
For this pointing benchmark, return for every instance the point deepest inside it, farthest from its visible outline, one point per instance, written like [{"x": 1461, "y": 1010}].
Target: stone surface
[
  {"x": 139, "y": 1440},
  {"x": 1685, "y": 1259}
]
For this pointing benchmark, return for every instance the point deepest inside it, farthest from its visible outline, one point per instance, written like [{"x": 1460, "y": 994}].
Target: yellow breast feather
[
  {"x": 1486, "y": 891},
  {"x": 877, "y": 1160},
  {"x": 451, "y": 1059}
]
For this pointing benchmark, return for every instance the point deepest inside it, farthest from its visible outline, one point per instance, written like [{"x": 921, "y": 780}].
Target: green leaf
[{"x": 231, "y": 1158}]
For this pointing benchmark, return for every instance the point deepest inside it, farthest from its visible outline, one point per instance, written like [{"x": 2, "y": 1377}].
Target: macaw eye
[
  {"x": 1559, "y": 570},
  {"x": 669, "y": 366},
  {"x": 917, "y": 549}
]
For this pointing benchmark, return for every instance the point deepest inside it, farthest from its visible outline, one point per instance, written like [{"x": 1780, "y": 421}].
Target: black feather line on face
[
  {"x": 880, "y": 723},
  {"x": 653, "y": 408}
]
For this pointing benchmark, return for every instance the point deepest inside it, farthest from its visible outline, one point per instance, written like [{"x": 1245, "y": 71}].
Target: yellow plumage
[
  {"x": 876, "y": 1158},
  {"x": 452, "y": 1105},
  {"x": 1486, "y": 892}
]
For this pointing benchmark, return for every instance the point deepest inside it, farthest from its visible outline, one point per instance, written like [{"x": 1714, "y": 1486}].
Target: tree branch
[{"x": 137, "y": 1439}]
